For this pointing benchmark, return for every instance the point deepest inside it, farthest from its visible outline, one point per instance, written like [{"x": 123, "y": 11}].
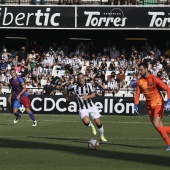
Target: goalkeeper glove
[
  {"x": 135, "y": 107},
  {"x": 167, "y": 105}
]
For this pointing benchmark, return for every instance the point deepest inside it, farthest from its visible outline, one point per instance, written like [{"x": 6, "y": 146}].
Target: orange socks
[
  {"x": 163, "y": 132},
  {"x": 167, "y": 128}
]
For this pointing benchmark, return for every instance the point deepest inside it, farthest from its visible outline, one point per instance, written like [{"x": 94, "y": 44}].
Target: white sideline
[{"x": 63, "y": 121}]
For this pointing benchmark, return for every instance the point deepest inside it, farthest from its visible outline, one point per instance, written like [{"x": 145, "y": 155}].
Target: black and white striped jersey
[
  {"x": 79, "y": 92},
  {"x": 66, "y": 61}
]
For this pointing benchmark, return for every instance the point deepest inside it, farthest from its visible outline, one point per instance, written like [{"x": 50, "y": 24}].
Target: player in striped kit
[
  {"x": 84, "y": 94},
  {"x": 21, "y": 97}
]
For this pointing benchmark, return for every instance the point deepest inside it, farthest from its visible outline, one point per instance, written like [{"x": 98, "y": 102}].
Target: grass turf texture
[{"x": 60, "y": 142}]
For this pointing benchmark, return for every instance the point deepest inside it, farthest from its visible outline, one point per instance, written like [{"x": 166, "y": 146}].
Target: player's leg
[
  {"x": 167, "y": 128},
  {"x": 31, "y": 114},
  {"x": 84, "y": 115},
  {"x": 26, "y": 102},
  {"x": 16, "y": 105},
  {"x": 157, "y": 122},
  {"x": 95, "y": 115}
]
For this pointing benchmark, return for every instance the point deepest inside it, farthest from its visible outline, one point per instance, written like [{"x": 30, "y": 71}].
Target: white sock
[
  {"x": 101, "y": 131},
  {"x": 90, "y": 124}
]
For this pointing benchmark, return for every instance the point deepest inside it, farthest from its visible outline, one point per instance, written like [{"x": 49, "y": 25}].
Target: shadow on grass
[
  {"x": 77, "y": 150},
  {"x": 6, "y": 124},
  {"x": 78, "y": 140},
  {"x": 135, "y": 146}
]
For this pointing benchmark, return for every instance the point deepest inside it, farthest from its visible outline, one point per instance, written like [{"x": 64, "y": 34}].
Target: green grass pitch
[{"x": 60, "y": 142}]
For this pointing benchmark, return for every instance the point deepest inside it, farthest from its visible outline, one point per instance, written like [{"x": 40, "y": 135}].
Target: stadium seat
[
  {"x": 108, "y": 64},
  {"x": 6, "y": 89},
  {"x": 55, "y": 71},
  {"x": 34, "y": 90},
  {"x": 58, "y": 93},
  {"x": 43, "y": 82},
  {"x": 87, "y": 63},
  {"x": 164, "y": 95},
  {"x": 93, "y": 2},
  {"x": 83, "y": 69},
  {"x": 9, "y": 67},
  {"x": 108, "y": 94},
  {"x": 105, "y": 1},
  {"x": 128, "y": 73},
  {"x": 107, "y": 74},
  {"x": 142, "y": 97},
  {"x": 120, "y": 94},
  {"x": 128, "y": 78},
  {"x": 130, "y": 93}
]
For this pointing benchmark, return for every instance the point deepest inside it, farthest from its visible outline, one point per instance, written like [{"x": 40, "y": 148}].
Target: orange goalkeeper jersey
[{"x": 150, "y": 88}]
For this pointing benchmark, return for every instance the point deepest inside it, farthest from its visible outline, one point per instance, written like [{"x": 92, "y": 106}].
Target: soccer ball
[{"x": 93, "y": 144}]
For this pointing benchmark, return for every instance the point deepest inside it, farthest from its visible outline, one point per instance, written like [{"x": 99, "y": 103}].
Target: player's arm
[
  {"x": 91, "y": 94},
  {"x": 136, "y": 99},
  {"x": 23, "y": 88},
  {"x": 162, "y": 85},
  {"x": 137, "y": 95}
]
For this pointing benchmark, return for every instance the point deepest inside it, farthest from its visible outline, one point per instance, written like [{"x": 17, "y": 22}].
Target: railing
[{"x": 123, "y": 92}]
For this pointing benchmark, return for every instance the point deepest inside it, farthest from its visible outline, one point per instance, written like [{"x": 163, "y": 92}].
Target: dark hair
[
  {"x": 12, "y": 69},
  {"x": 143, "y": 64},
  {"x": 80, "y": 74}
]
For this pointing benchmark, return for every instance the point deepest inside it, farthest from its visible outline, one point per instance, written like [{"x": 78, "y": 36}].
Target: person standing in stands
[
  {"x": 21, "y": 97},
  {"x": 3, "y": 66},
  {"x": 22, "y": 54},
  {"x": 149, "y": 85}
]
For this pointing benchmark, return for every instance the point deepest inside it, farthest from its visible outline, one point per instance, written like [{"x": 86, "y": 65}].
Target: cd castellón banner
[
  {"x": 48, "y": 104},
  {"x": 85, "y": 17}
]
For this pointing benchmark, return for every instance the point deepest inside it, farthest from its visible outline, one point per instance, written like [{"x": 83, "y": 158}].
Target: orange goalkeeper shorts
[{"x": 157, "y": 111}]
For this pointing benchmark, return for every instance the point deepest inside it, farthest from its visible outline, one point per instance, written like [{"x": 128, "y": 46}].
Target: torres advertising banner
[
  {"x": 123, "y": 17},
  {"x": 84, "y": 17},
  {"x": 57, "y": 105}
]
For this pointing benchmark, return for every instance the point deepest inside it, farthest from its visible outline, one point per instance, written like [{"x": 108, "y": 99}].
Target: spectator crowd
[{"x": 109, "y": 69}]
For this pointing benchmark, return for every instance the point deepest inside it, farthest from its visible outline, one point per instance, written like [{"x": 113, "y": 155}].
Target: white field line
[
  {"x": 75, "y": 121},
  {"x": 55, "y": 115},
  {"x": 67, "y": 115},
  {"x": 67, "y": 121},
  {"x": 74, "y": 115}
]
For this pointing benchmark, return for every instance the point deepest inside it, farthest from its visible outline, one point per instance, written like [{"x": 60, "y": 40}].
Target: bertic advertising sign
[
  {"x": 85, "y": 17},
  {"x": 37, "y": 17}
]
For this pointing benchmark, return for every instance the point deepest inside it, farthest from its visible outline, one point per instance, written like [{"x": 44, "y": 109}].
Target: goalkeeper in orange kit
[{"x": 149, "y": 85}]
